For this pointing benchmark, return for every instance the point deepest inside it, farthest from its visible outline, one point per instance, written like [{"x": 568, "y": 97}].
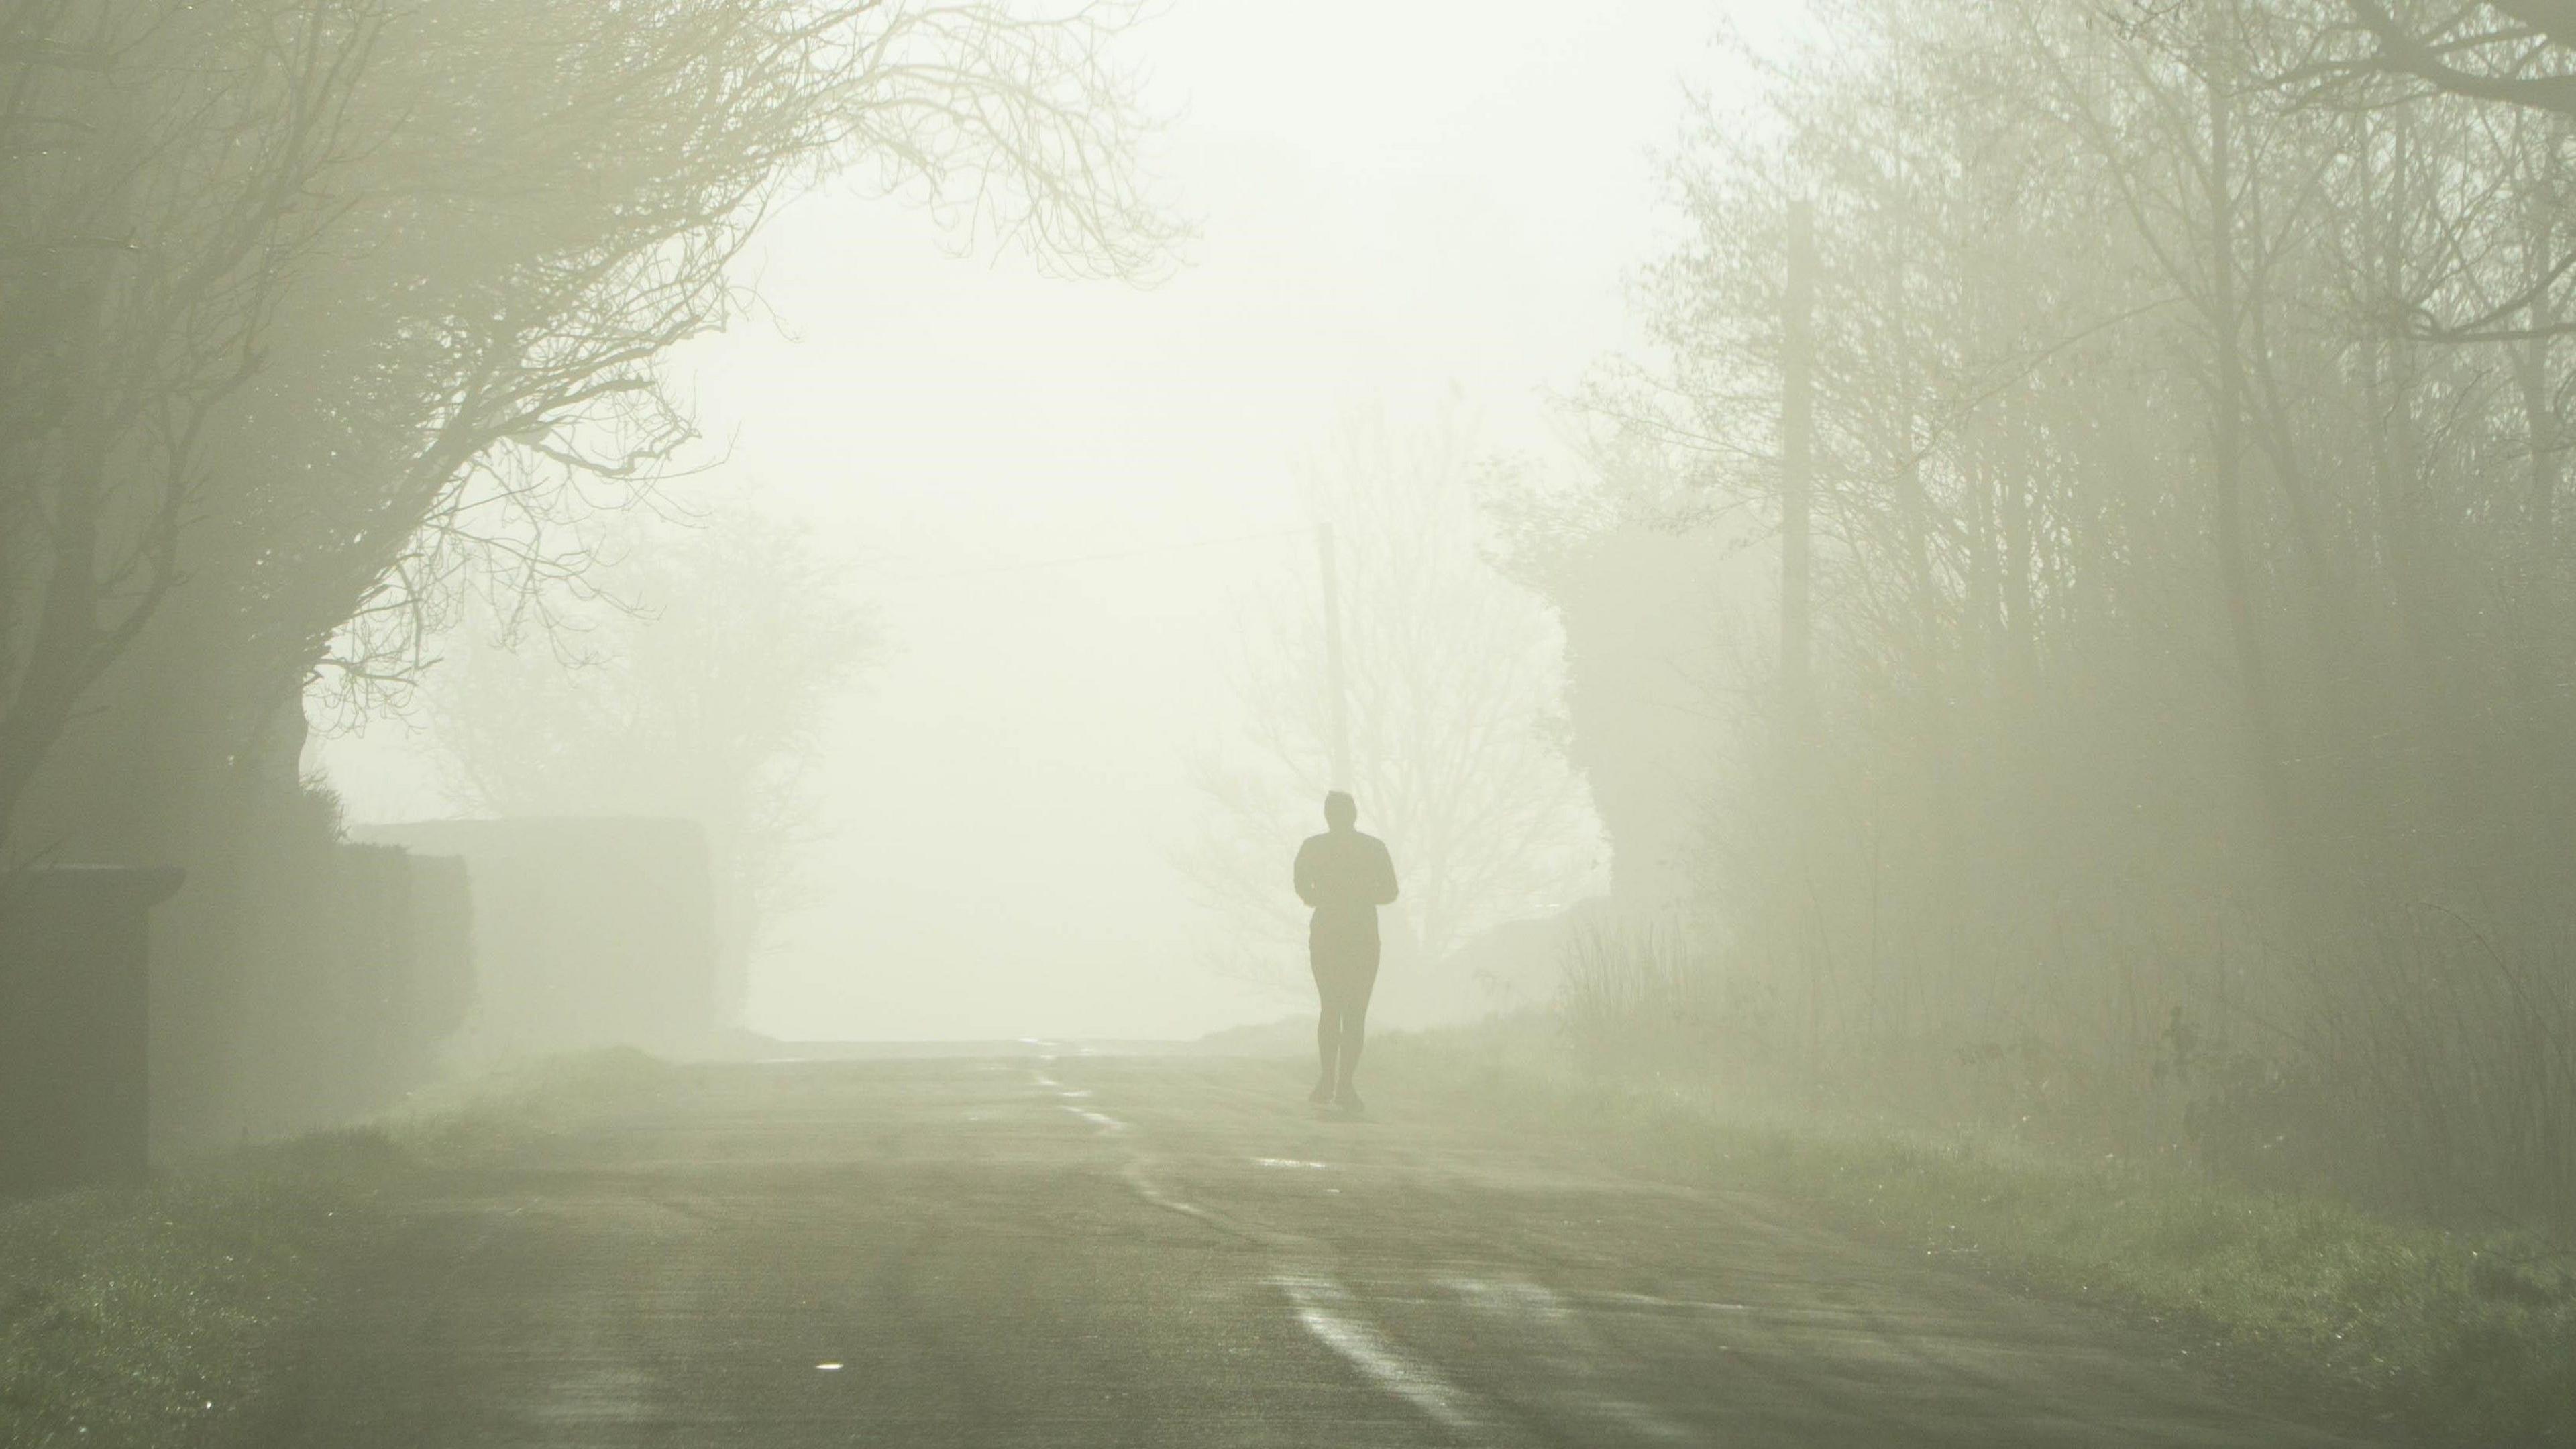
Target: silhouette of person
[{"x": 1345, "y": 876}]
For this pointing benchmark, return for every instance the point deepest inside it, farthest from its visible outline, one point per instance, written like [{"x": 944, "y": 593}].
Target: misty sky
[{"x": 1393, "y": 200}]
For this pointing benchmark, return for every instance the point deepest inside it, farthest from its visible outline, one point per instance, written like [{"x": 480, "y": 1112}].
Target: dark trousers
[{"x": 1345, "y": 974}]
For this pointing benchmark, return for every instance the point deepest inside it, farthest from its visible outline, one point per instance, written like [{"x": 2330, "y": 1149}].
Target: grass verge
[
  {"x": 2452, "y": 1338},
  {"x": 146, "y": 1316}
]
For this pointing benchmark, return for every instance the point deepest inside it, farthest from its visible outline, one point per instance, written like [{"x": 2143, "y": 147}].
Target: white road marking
[
  {"x": 1323, "y": 1306},
  {"x": 1675, "y": 1305},
  {"x": 1146, "y": 1188},
  {"x": 1579, "y": 1353},
  {"x": 1513, "y": 1297},
  {"x": 1072, "y": 1097},
  {"x": 1325, "y": 1309}
]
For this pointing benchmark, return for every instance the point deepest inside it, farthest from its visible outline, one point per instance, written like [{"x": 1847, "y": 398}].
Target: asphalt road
[{"x": 1079, "y": 1250}]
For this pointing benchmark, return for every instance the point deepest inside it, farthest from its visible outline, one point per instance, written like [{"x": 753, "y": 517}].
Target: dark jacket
[{"x": 1345, "y": 876}]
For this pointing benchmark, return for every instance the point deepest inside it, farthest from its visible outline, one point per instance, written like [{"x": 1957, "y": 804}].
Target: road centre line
[
  {"x": 1107, "y": 1124},
  {"x": 1577, "y": 1349},
  {"x": 1324, "y": 1308}
]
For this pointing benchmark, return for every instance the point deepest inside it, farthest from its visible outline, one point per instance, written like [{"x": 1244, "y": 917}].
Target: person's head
[{"x": 1341, "y": 812}]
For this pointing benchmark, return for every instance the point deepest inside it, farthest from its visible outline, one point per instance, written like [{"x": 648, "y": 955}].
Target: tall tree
[
  {"x": 316, "y": 313},
  {"x": 306, "y": 293},
  {"x": 2186, "y": 433},
  {"x": 1452, "y": 706}
]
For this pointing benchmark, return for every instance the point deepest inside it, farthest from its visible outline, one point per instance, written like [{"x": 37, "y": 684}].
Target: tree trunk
[
  {"x": 1797, "y": 476},
  {"x": 2227, "y": 438}
]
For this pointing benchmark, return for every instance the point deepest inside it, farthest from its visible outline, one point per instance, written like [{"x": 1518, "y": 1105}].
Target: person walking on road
[{"x": 1345, "y": 876}]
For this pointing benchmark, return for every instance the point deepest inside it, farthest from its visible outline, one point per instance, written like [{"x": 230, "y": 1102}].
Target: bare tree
[
  {"x": 315, "y": 307},
  {"x": 318, "y": 317},
  {"x": 693, "y": 689},
  {"x": 2186, "y": 471},
  {"x": 160, "y": 165},
  {"x": 1452, "y": 707},
  {"x": 2513, "y": 51}
]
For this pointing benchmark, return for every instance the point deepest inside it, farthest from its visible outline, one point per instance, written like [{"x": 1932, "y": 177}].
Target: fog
[
  {"x": 1186, "y": 722},
  {"x": 1446, "y": 209}
]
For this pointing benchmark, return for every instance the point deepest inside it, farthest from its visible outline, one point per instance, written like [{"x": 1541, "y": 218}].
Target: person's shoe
[
  {"x": 1322, "y": 1094},
  {"x": 1348, "y": 1099}
]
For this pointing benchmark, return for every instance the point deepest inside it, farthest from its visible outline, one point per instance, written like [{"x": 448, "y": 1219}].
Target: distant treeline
[{"x": 2179, "y": 749}]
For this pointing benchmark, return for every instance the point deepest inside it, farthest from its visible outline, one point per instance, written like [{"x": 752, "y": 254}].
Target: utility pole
[
  {"x": 1337, "y": 693},
  {"x": 1798, "y": 474}
]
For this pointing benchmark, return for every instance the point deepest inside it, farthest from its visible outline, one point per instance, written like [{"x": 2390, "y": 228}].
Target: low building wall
[
  {"x": 304, "y": 984},
  {"x": 75, "y": 1035},
  {"x": 587, "y": 932}
]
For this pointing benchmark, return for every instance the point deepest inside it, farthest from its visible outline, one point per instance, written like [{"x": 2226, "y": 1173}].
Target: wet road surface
[{"x": 1129, "y": 1251}]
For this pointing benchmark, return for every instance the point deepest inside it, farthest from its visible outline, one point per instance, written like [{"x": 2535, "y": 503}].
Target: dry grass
[
  {"x": 2466, "y": 1339},
  {"x": 150, "y": 1317}
]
